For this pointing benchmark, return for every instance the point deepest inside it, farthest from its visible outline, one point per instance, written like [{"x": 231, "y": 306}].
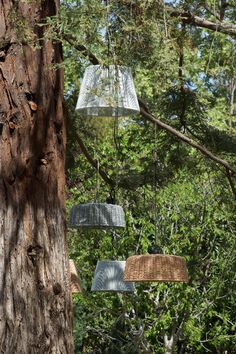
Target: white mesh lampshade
[
  {"x": 109, "y": 277},
  {"x": 97, "y": 216},
  {"x": 107, "y": 92}
]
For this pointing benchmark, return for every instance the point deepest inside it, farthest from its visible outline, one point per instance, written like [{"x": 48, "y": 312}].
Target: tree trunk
[{"x": 35, "y": 301}]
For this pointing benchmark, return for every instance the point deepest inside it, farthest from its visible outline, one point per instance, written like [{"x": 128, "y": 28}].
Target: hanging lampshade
[
  {"x": 109, "y": 277},
  {"x": 107, "y": 92},
  {"x": 75, "y": 280},
  {"x": 97, "y": 215},
  {"x": 156, "y": 267}
]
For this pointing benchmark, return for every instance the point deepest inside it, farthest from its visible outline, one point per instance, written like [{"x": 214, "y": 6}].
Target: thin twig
[{"x": 228, "y": 174}]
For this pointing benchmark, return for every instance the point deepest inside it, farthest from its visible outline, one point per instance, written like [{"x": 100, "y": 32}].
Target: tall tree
[{"x": 35, "y": 303}]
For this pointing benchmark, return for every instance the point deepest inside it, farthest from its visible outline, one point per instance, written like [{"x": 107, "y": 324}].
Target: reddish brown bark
[{"x": 35, "y": 301}]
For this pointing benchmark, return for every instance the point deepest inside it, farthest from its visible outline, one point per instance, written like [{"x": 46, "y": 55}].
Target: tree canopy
[{"x": 173, "y": 168}]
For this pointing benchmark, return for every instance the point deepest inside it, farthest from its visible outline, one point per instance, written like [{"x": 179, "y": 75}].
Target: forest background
[{"x": 177, "y": 186}]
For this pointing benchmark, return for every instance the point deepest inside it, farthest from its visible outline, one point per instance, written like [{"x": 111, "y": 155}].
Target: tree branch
[
  {"x": 228, "y": 174},
  {"x": 223, "y": 7},
  {"x": 93, "y": 162},
  {"x": 191, "y": 19},
  {"x": 187, "y": 140},
  {"x": 81, "y": 48}
]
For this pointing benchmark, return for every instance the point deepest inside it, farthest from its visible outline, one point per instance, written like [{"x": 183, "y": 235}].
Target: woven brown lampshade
[
  {"x": 156, "y": 267},
  {"x": 75, "y": 280}
]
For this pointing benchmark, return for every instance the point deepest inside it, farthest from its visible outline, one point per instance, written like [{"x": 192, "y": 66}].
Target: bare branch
[
  {"x": 191, "y": 19},
  {"x": 228, "y": 174},
  {"x": 93, "y": 162},
  {"x": 187, "y": 140},
  {"x": 81, "y": 48}
]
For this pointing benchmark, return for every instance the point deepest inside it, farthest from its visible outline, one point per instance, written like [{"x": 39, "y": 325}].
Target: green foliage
[{"x": 159, "y": 180}]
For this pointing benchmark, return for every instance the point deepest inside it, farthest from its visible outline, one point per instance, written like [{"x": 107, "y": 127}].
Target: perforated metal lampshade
[
  {"x": 74, "y": 278},
  {"x": 109, "y": 277},
  {"x": 97, "y": 216},
  {"x": 107, "y": 92},
  {"x": 156, "y": 267}
]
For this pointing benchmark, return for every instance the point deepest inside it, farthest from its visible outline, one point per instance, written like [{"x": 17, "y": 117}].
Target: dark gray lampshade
[
  {"x": 107, "y": 91},
  {"x": 97, "y": 215},
  {"x": 109, "y": 277}
]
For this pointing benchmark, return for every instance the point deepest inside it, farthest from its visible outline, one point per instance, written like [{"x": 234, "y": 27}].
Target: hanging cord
[
  {"x": 113, "y": 190},
  {"x": 115, "y": 136},
  {"x": 115, "y": 94},
  {"x": 114, "y": 242},
  {"x": 164, "y": 19},
  {"x": 116, "y": 143},
  {"x": 97, "y": 197},
  {"x": 108, "y": 35},
  {"x": 116, "y": 130},
  {"x": 110, "y": 40},
  {"x": 112, "y": 197},
  {"x": 140, "y": 235},
  {"x": 156, "y": 248},
  {"x": 155, "y": 184}
]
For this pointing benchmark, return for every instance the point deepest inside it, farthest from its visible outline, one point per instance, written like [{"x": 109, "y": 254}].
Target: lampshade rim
[
  {"x": 95, "y": 203},
  {"x": 113, "y": 291},
  {"x": 108, "y": 66},
  {"x": 133, "y": 280},
  {"x": 157, "y": 255},
  {"x": 111, "y": 260},
  {"x": 120, "y": 112},
  {"x": 98, "y": 226}
]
